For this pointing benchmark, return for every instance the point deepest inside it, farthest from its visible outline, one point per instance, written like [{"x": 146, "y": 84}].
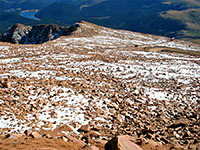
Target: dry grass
[
  {"x": 172, "y": 50},
  {"x": 196, "y": 41}
]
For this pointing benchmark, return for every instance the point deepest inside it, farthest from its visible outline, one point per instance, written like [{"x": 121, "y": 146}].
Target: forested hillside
[{"x": 178, "y": 18}]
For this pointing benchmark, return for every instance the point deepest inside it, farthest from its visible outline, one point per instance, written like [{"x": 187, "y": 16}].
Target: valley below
[
  {"x": 82, "y": 90},
  {"x": 171, "y": 18}
]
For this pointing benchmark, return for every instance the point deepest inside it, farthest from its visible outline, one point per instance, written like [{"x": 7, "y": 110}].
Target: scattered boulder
[
  {"x": 97, "y": 128},
  {"x": 27, "y": 132},
  {"x": 63, "y": 127},
  {"x": 7, "y": 84},
  {"x": 35, "y": 135},
  {"x": 121, "y": 142},
  {"x": 75, "y": 140},
  {"x": 153, "y": 143},
  {"x": 65, "y": 139},
  {"x": 47, "y": 136},
  {"x": 15, "y": 136},
  {"x": 100, "y": 142},
  {"x": 94, "y": 134},
  {"x": 179, "y": 123},
  {"x": 54, "y": 114},
  {"x": 84, "y": 128}
]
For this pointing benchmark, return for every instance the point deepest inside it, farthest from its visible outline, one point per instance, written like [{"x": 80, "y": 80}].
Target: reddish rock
[
  {"x": 7, "y": 84},
  {"x": 179, "y": 123},
  {"x": 27, "y": 133},
  {"x": 75, "y": 140},
  {"x": 35, "y": 135},
  {"x": 122, "y": 142},
  {"x": 101, "y": 142},
  {"x": 97, "y": 128},
  {"x": 87, "y": 147},
  {"x": 49, "y": 125},
  {"x": 3, "y": 136},
  {"x": 153, "y": 143},
  {"x": 9, "y": 99},
  {"x": 94, "y": 134},
  {"x": 84, "y": 128},
  {"x": 65, "y": 139},
  {"x": 47, "y": 136},
  {"x": 93, "y": 148},
  {"x": 64, "y": 127},
  {"x": 15, "y": 136},
  {"x": 54, "y": 114},
  {"x": 36, "y": 115}
]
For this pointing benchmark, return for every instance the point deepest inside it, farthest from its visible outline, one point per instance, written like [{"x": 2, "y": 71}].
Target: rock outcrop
[
  {"x": 15, "y": 33},
  {"x": 37, "y": 34}
]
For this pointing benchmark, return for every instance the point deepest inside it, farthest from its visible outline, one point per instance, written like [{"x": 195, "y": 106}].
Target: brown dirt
[{"x": 37, "y": 144}]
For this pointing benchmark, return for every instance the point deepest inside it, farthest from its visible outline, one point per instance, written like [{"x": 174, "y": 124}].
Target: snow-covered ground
[{"x": 72, "y": 80}]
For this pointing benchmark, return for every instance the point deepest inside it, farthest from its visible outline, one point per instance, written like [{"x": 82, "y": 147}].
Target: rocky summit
[
  {"x": 20, "y": 34},
  {"x": 100, "y": 89}
]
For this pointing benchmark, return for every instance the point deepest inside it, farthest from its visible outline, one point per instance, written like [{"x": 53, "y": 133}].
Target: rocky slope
[
  {"x": 81, "y": 91},
  {"x": 20, "y": 34}
]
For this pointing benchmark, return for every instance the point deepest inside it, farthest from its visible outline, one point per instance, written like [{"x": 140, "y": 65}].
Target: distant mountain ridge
[
  {"x": 23, "y": 4},
  {"x": 141, "y": 16},
  {"x": 179, "y": 18}
]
